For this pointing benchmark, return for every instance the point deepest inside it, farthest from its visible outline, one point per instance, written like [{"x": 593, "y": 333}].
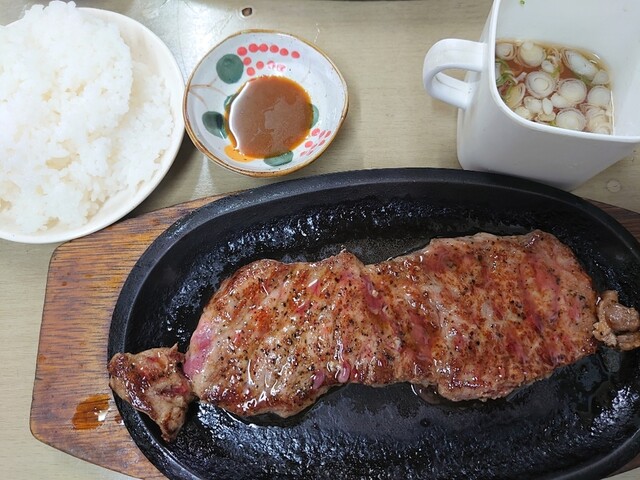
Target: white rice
[{"x": 80, "y": 120}]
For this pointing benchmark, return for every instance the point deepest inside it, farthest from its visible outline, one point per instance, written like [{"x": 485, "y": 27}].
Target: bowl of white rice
[{"x": 91, "y": 109}]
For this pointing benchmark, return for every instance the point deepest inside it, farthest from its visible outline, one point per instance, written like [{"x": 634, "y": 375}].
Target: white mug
[{"x": 491, "y": 137}]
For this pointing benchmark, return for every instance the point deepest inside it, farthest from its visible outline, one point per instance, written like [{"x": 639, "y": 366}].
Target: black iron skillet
[{"x": 583, "y": 422}]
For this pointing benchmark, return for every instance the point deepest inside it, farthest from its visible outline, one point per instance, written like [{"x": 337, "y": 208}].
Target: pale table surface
[{"x": 379, "y": 47}]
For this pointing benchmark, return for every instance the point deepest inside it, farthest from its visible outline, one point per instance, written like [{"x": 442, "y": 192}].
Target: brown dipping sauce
[{"x": 269, "y": 116}]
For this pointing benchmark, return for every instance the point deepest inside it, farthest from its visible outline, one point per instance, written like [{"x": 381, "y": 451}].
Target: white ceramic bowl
[
  {"x": 145, "y": 47},
  {"x": 249, "y": 54}
]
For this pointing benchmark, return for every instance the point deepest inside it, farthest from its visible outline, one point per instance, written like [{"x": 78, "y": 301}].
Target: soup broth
[{"x": 555, "y": 85}]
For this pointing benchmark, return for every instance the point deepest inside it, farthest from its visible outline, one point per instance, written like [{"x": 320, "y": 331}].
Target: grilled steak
[
  {"x": 617, "y": 326},
  {"x": 473, "y": 317},
  {"x": 153, "y": 382}
]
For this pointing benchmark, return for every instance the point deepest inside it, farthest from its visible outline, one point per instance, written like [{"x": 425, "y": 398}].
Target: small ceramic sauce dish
[{"x": 264, "y": 103}]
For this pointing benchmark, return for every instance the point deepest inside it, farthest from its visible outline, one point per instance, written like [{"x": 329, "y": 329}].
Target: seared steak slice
[
  {"x": 152, "y": 382},
  {"x": 617, "y": 325},
  {"x": 475, "y": 317}
]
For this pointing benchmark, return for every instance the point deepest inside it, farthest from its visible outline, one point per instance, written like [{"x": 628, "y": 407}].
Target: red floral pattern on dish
[
  {"x": 248, "y": 55},
  {"x": 316, "y": 139}
]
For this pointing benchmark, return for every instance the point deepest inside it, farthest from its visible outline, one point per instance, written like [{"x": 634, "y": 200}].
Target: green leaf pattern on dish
[
  {"x": 282, "y": 159},
  {"x": 230, "y": 68},
  {"x": 214, "y": 123}
]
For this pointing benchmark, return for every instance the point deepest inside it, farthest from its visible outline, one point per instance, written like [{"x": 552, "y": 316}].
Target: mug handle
[{"x": 452, "y": 53}]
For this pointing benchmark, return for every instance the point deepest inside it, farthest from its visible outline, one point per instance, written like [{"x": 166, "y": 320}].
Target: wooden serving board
[{"x": 72, "y": 407}]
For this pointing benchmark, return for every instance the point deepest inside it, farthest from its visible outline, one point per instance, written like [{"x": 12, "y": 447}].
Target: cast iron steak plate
[{"x": 582, "y": 422}]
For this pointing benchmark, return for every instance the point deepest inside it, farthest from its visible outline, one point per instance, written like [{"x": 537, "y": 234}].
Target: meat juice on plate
[{"x": 555, "y": 85}]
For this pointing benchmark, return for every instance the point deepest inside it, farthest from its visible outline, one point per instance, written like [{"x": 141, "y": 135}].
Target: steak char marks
[{"x": 474, "y": 317}]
